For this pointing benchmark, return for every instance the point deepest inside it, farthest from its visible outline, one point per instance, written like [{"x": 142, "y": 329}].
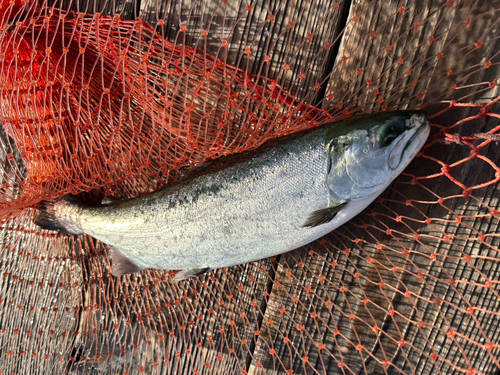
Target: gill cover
[{"x": 366, "y": 153}]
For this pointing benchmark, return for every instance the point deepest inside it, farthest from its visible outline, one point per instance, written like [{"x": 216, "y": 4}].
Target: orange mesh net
[{"x": 121, "y": 98}]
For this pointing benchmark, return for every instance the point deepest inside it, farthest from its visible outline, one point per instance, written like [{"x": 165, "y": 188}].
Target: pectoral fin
[
  {"x": 121, "y": 264},
  {"x": 322, "y": 216},
  {"x": 191, "y": 272}
]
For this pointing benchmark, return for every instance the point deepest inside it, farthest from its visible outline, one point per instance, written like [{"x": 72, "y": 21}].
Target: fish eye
[
  {"x": 391, "y": 132},
  {"x": 389, "y": 138}
]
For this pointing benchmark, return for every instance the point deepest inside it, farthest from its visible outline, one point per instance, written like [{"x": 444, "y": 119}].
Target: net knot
[
  {"x": 453, "y": 138},
  {"x": 483, "y": 111}
]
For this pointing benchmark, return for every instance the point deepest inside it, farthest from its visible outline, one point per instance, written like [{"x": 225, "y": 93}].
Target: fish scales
[
  {"x": 282, "y": 197},
  {"x": 246, "y": 212}
]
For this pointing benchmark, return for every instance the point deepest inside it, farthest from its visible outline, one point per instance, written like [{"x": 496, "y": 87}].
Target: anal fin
[
  {"x": 191, "y": 272},
  {"x": 121, "y": 265},
  {"x": 322, "y": 216}
]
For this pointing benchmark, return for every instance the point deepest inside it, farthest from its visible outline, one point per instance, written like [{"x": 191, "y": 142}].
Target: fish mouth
[
  {"x": 417, "y": 118},
  {"x": 417, "y": 124}
]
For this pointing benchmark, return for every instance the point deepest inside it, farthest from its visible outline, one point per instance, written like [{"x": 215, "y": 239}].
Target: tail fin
[{"x": 51, "y": 214}]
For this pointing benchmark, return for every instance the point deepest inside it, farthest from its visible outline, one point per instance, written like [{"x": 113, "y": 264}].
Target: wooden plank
[
  {"x": 289, "y": 343},
  {"x": 432, "y": 78},
  {"x": 265, "y": 29},
  {"x": 299, "y": 273},
  {"x": 162, "y": 326},
  {"x": 275, "y": 32},
  {"x": 35, "y": 291},
  {"x": 396, "y": 48},
  {"x": 12, "y": 168},
  {"x": 127, "y": 9}
]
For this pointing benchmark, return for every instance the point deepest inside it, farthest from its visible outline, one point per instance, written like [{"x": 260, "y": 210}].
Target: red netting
[{"x": 119, "y": 98}]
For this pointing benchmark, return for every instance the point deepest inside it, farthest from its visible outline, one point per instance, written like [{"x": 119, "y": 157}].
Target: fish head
[{"x": 366, "y": 153}]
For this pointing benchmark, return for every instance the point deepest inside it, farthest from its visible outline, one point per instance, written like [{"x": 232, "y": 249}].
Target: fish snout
[{"x": 418, "y": 119}]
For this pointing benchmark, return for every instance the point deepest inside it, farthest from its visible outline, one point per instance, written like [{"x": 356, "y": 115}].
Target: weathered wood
[
  {"x": 315, "y": 308},
  {"x": 276, "y": 34},
  {"x": 265, "y": 29},
  {"x": 391, "y": 52},
  {"x": 34, "y": 317},
  {"x": 176, "y": 327},
  {"x": 386, "y": 251}
]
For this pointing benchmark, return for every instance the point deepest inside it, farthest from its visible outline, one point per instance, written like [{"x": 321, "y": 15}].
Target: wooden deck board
[
  {"x": 276, "y": 327},
  {"x": 300, "y": 291},
  {"x": 349, "y": 90},
  {"x": 274, "y": 31},
  {"x": 258, "y": 33}
]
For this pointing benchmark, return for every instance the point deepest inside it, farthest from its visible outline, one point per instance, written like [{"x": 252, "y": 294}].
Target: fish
[{"x": 262, "y": 203}]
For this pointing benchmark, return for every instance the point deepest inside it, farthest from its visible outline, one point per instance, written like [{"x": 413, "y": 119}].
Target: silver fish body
[{"x": 285, "y": 197}]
